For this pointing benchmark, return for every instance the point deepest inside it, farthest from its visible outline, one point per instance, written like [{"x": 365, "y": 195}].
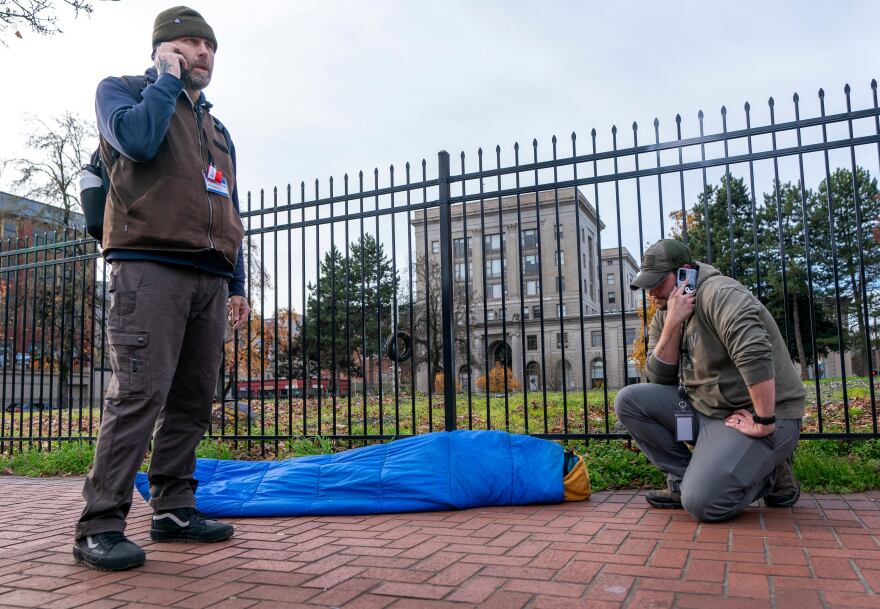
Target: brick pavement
[{"x": 607, "y": 553}]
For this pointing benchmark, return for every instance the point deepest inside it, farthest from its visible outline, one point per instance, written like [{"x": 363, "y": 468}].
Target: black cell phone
[{"x": 688, "y": 277}]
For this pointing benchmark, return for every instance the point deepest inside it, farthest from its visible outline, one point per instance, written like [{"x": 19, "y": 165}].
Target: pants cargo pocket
[{"x": 128, "y": 353}]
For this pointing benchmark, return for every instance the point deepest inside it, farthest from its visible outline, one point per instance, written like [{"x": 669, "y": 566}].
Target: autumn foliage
[
  {"x": 496, "y": 380},
  {"x": 639, "y": 354}
]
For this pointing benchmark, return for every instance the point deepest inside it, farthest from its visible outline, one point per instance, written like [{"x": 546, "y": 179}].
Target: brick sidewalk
[{"x": 609, "y": 552}]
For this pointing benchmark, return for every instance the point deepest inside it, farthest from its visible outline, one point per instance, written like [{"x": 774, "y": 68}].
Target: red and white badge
[{"x": 215, "y": 181}]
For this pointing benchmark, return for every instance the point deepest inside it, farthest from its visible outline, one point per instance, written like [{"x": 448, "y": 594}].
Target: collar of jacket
[{"x": 151, "y": 75}]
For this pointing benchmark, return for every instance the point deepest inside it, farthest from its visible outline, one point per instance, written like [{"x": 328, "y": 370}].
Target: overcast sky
[{"x": 316, "y": 88}]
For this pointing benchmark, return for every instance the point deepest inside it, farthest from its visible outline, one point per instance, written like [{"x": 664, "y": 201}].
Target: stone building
[{"x": 535, "y": 285}]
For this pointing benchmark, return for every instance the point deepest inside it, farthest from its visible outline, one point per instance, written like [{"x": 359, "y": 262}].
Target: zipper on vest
[{"x": 202, "y": 158}]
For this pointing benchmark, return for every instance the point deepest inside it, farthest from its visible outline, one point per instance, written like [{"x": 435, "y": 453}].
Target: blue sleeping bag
[{"x": 437, "y": 471}]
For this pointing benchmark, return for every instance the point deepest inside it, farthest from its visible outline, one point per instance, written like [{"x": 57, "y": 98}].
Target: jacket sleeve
[
  {"x": 236, "y": 284},
  {"x": 657, "y": 371},
  {"x": 735, "y": 316},
  {"x": 136, "y": 128}
]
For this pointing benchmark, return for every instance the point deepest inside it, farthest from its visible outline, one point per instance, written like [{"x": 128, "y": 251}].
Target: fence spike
[
  {"x": 846, "y": 88},
  {"x": 635, "y": 126},
  {"x": 821, "y": 93},
  {"x": 873, "y": 83},
  {"x": 723, "y": 110},
  {"x": 771, "y": 102}
]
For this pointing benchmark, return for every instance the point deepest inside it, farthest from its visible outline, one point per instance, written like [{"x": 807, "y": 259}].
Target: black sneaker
[
  {"x": 786, "y": 491},
  {"x": 110, "y": 551},
  {"x": 664, "y": 499},
  {"x": 188, "y": 525}
]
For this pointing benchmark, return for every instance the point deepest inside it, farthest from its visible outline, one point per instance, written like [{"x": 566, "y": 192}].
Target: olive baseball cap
[{"x": 664, "y": 256}]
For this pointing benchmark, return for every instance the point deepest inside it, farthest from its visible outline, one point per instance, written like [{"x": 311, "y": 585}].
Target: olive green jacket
[{"x": 731, "y": 342}]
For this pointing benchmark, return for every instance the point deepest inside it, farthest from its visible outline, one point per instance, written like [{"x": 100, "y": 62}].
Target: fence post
[{"x": 446, "y": 292}]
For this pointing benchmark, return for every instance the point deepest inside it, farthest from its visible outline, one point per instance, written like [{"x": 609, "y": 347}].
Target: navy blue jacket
[{"x": 136, "y": 129}]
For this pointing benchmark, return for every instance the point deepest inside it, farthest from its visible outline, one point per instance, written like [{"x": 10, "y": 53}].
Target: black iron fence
[{"x": 491, "y": 291}]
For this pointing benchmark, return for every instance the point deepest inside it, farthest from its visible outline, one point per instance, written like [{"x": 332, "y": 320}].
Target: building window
[
  {"x": 536, "y": 311},
  {"x": 530, "y": 264},
  {"x": 464, "y": 377},
  {"x": 612, "y": 297},
  {"x": 531, "y": 287},
  {"x": 590, "y": 269},
  {"x": 632, "y": 372},
  {"x": 435, "y": 247},
  {"x": 630, "y": 336},
  {"x": 583, "y": 234},
  {"x": 490, "y": 315},
  {"x": 460, "y": 270},
  {"x": 560, "y": 310},
  {"x": 560, "y": 258},
  {"x": 559, "y": 231},
  {"x": 560, "y": 284},
  {"x": 596, "y": 338},
  {"x": 561, "y": 337},
  {"x": 458, "y": 247},
  {"x": 597, "y": 373},
  {"x": 493, "y": 268},
  {"x": 529, "y": 239},
  {"x": 493, "y": 243},
  {"x": 532, "y": 342},
  {"x": 526, "y": 313},
  {"x": 610, "y": 278},
  {"x": 495, "y": 290}
]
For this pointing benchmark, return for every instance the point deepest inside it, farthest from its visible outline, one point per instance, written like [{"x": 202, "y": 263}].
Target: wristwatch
[{"x": 763, "y": 420}]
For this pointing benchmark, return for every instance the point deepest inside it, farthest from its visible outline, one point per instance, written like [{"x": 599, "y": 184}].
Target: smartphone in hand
[{"x": 688, "y": 277}]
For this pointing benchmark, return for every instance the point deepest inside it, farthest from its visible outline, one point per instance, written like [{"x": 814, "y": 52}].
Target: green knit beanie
[{"x": 179, "y": 22}]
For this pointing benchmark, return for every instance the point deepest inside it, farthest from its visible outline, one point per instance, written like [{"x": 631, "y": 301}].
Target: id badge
[
  {"x": 218, "y": 188},
  {"x": 684, "y": 426},
  {"x": 684, "y": 418}
]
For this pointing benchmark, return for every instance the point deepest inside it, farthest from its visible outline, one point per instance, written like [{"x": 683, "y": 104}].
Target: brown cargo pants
[{"x": 165, "y": 330}]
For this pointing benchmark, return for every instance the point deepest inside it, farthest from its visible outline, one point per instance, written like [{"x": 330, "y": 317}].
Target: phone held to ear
[{"x": 688, "y": 277}]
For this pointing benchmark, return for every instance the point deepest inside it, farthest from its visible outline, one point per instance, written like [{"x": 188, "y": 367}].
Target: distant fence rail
[{"x": 503, "y": 277}]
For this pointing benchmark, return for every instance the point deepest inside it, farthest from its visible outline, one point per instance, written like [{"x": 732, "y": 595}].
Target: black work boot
[
  {"x": 786, "y": 491},
  {"x": 110, "y": 551},
  {"x": 665, "y": 499},
  {"x": 188, "y": 525}
]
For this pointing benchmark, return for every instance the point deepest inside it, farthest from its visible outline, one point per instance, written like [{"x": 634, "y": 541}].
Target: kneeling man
[{"x": 720, "y": 379}]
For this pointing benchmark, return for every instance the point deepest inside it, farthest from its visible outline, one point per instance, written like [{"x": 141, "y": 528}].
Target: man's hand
[
  {"x": 741, "y": 420},
  {"x": 170, "y": 60},
  {"x": 238, "y": 311},
  {"x": 679, "y": 307}
]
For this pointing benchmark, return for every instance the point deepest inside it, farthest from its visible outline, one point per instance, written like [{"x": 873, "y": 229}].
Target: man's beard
[{"x": 195, "y": 80}]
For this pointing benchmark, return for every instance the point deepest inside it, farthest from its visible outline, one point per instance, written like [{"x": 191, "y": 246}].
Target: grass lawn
[{"x": 822, "y": 465}]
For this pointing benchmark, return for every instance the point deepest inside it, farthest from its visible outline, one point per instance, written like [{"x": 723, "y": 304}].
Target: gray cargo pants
[
  {"x": 727, "y": 469},
  {"x": 165, "y": 329}
]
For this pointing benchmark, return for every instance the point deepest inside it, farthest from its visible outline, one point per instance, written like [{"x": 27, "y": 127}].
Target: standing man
[
  {"x": 720, "y": 378},
  {"x": 172, "y": 235}
]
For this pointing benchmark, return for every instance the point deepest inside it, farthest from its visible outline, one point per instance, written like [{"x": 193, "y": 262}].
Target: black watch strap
[{"x": 763, "y": 420}]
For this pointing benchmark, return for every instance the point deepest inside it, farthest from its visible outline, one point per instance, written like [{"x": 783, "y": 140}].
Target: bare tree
[
  {"x": 39, "y": 16},
  {"x": 58, "y": 150},
  {"x": 427, "y": 326}
]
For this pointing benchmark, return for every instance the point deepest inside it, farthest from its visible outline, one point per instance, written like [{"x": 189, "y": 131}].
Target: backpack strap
[{"x": 220, "y": 127}]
